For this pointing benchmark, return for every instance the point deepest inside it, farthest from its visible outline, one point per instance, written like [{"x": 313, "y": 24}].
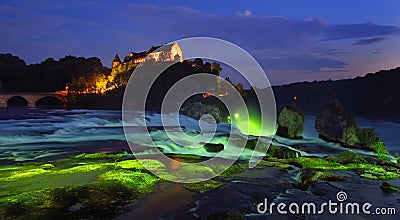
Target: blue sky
[{"x": 292, "y": 40}]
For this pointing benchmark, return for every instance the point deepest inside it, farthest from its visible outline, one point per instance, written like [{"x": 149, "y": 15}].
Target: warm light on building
[
  {"x": 138, "y": 60},
  {"x": 166, "y": 53},
  {"x": 206, "y": 95}
]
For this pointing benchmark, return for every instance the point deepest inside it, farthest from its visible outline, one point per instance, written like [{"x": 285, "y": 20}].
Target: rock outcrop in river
[
  {"x": 197, "y": 109},
  {"x": 290, "y": 122},
  {"x": 335, "y": 124}
]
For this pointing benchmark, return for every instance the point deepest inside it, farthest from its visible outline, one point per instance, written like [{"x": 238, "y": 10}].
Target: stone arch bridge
[{"x": 30, "y": 97}]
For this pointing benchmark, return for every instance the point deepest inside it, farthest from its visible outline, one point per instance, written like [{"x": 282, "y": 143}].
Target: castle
[
  {"x": 169, "y": 52},
  {"x": 165, "y": 53}
]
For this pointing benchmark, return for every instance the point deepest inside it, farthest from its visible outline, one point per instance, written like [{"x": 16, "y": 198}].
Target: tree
[
  {"x": 198, "y": 62},
  {"x": 215, "y": 68},
  {"x": 47, "y": 76},
  {"x": 78, "y": 85},
  {"x": 239, "y": 88},
  {"x": 12, "y": 72}
]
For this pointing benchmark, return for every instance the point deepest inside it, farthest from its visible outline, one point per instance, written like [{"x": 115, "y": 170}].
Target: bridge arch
[
  {"x": 17, "y": 100},
  {"x": 50, "y": 101},
  {"x": 30, "y": 98}
]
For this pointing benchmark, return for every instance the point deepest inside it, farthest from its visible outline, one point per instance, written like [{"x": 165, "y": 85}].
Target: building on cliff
[{"x": 165, "y": 53}]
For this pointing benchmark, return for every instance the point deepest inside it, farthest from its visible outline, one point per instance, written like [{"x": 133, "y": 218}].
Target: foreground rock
[
  {"x": 97, "y": 186},
  {"x": 311, "y": 176},
  {"x": 334, "y": 124},
  {"x": 290, "y": 122},
  {"x": 388, "y": 187},
  {"x": 273, "y": 151},
  {"x": 87, "y": 186},
  {"x": 211, "y": 147}
]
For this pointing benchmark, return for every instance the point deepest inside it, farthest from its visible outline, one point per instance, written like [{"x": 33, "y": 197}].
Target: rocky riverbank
[{"x": 109, "y": 185}]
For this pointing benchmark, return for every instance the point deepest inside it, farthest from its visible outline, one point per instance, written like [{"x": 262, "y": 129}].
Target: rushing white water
[{"x": 34, "y": 134}]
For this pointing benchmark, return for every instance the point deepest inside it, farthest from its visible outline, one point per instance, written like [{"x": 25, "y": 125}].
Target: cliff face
[{"x": 374, "y": 95}]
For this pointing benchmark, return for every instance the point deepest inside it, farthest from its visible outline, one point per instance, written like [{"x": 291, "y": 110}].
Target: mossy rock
[
  {"x": 235, "y": 169},
  {"x": 186, "y": 172},
  {"x": 364, "y": 169},
  {"x": 290, "y": 122},
  {"x": 24, "y": 173},
  {"x": 200, "y": 187},
  {"x": 86, "y": 168},
  {"x": 214, "y": 148},
  {"x": 316, "y": 163},
  {"x": 335, "y": 124},
  {"x": 133, "y": 180},
  {"x": 130, "y": 165},
  {"x": 349, "y": 137},
  {"x": 367, "y": 136},
  {"x": 148, "y": 164},
  {"x": 101, "y": 199},
  {"x": 275, "y": 163},
  {"x": 332, "y": 121},
  {"x": 346, "y": 157},
  {"x": 311, "y": 176},
  {"x": 98, "y": 156},
  {"x": 388, "y": 187},
  {"x": 369, "y": 139},
  {"x": 375, "y": 172},
  {"x": 97, "y": 200},
  {"x": 282, "y": 152},
  {"x": 380, "y": 149},
  {"x": 47, "y": 166}
]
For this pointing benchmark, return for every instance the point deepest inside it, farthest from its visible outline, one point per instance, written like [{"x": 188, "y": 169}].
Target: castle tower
[
  {"x": 116, "y": 61},
  {"x": 176, "y": 52}
]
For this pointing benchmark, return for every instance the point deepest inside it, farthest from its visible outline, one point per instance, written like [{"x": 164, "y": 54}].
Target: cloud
[
  {"x": 303, "y": 63},
  {"x": 245, "y": 13},
  {"x": 251, "y": 31},
  {"x": 278, "y": 43},
  {"x": 363, "y": 30},
  {"x": 369, "y": 41},
  {"x": 335, "y": 52}
]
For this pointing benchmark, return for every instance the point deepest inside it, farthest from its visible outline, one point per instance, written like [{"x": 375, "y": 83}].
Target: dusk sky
[{"x": 292, "y": 40}]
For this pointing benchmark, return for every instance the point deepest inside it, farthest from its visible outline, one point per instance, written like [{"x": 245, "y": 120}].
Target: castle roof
[
  {"x": 116, "y": 58},
  {"x": 133, "y": 55},
  {"x": 152, "y": 49},
  {"x": 142, "y": 54}
]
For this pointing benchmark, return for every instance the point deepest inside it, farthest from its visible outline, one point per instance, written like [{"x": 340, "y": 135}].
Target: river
[
  {"x": 45, "y": 134},
  {"x": 42, "y": 134}
]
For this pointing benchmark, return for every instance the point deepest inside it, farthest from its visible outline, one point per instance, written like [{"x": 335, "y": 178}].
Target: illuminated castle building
[{"x": 166, "y": 53}]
